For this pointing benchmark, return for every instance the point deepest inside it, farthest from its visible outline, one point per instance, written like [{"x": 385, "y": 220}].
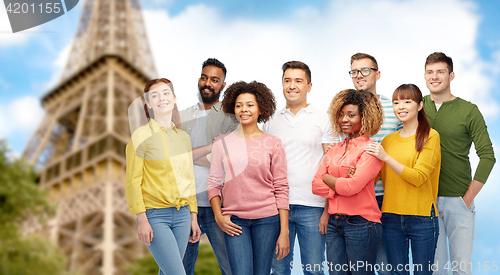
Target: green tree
[
  {"x": 20, "y": 199},
  {"x": 205, "y": 265}
]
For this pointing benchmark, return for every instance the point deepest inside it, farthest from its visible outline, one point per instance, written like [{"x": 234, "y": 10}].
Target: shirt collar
[
  {"x": 216, "y": 107},
  {"x": 309, "y": 109},
  {"x": 356, "y": 141},
  {"x": 156, "y": 127}
]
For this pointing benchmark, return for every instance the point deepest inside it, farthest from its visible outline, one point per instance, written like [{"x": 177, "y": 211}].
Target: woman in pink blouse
[
  {"x": 351, "y": 238},
  {"x": 252, "y": 166}
]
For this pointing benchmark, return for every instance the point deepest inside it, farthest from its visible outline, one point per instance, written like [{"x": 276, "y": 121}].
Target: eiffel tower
[{"x": 79, "y": 146}]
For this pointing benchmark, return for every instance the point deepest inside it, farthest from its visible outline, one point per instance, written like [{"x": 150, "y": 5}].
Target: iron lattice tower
[{"x": 79, "y": 146}]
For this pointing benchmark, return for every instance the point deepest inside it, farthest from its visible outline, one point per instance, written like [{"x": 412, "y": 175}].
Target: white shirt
[{"x": 302, "y": 136}]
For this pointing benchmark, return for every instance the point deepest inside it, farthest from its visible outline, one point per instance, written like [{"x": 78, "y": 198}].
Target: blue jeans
[
  {"x": 456, "y": 227},
  {"x": 421, "y": 231},
  {"x": 351, "y": 245},
  {"x": 208, "y": 225},
  {"x": 170, "y": 229},
  {"x": 251, "y": 253},
  {"x": 381, "y": 254},
  {"x": 303, "y": 221}
]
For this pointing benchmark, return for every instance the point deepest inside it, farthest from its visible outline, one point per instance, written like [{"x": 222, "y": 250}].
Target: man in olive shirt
[{"x": 459, "y": 123}]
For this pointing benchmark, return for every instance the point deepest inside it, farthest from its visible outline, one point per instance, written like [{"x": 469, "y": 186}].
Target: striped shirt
[{"x": 391, "y": 124}]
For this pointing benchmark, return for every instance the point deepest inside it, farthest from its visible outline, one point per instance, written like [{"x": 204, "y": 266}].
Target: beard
[{"x": 208, "y": 99}]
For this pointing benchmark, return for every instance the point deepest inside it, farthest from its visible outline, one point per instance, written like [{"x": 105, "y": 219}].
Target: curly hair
[
  {"x": 265, "y": 98},
  {"x": 369, "y": 108}
]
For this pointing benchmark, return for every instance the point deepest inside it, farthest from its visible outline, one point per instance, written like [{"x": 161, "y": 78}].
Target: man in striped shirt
[{"x": 364, "y": 73}]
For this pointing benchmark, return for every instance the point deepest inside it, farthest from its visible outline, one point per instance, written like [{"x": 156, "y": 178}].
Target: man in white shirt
[{"x": 305, "y": 133}]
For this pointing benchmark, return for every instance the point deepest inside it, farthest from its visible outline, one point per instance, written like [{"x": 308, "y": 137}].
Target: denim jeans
[
  {"x": 456, "y": 229},
  {"x": 351, "y": 245},
  {"x": 251, "y": 253},
  {"x": 399, "y": 231},
  {"x": 303, "y": 222},
  {"x": 208, "y": 225},
  {"x": 381, "y": 254},
  {"x": 170, "y": 229}
]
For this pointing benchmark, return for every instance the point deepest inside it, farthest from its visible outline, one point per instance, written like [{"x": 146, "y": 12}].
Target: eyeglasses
[{"x": 364, "y": 72}]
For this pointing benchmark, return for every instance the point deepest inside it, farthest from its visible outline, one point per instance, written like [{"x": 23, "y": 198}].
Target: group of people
[{"x": 365, "y": 180}]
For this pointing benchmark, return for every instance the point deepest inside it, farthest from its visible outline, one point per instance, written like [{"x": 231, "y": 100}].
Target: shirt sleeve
[
  {"x": 193, "y": 206},
  {"x": 279, "y": 172},
  {"x": 482, "y": 143},
  {"x": 367, "y": 169},
  {"x": 319, "y": 187},
  {"x": 133, "y": 180},
  {"x": 216, "y": 176},
  {"x": 328, "y": 136},
  {"x": 428, "y": 159}
]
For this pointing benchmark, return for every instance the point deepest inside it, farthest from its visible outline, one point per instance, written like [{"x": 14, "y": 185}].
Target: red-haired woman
[
  {"x": 412, "y": 161},
  {"x": 160, "y": 187}
]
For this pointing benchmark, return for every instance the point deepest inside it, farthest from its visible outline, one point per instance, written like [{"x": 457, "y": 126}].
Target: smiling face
[
  {"x": 350, "y": 120},
  {"x": 438, "y": 78},
  {"x": 246, "y": 109},
  {"x": 295, "y": 88},
  {"x": 161, "y": 99},
  {"x": 210, "y": 84},
  {"x": 366, "y": 83},
  {"x": 406, "y": 109}
]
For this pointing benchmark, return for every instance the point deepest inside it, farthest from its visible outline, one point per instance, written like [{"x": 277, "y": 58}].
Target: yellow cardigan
[
  {"x": 415, "y": 191},
  {"x": 159, "y": 169}
]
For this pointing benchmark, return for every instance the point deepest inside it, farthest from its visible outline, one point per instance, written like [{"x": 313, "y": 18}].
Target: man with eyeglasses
[{"x": 364, "y": 73}]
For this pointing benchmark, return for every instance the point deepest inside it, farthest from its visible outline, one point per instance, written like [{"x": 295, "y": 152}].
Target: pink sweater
[
  {"x": 254, "y": 175},
  {"x": 355, "y": 195}
]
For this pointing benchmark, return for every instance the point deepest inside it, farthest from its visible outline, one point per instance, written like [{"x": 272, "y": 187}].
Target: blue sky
[{"x": 254, "y": 38}]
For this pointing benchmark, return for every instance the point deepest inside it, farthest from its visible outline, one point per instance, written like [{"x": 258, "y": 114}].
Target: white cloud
[
  {"x": 20, "y": 117},
  {"x": 400, "y": 34},
  {"x": 58, "y": 66}
]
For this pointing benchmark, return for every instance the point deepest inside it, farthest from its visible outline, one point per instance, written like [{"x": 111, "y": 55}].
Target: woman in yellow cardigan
[
  {"x": 160, "y": 187},
  {"x": 412, "y": 161}
]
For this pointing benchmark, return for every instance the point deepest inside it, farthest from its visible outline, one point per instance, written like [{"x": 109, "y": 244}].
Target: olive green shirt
[{"x": 459, "y": 124}]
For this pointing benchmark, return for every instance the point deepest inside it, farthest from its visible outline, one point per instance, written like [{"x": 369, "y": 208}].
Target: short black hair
[{"x": 216, "y": 63}]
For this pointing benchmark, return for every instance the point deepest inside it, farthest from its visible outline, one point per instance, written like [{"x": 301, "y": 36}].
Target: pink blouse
[
  {"x": 354, "y": 195},
  {"x": 253, "y": 171}
]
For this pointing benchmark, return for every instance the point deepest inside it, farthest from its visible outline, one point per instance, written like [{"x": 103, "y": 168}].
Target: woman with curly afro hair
[
  {"x": 354, "y": 221},
  {"x": 251, "y": 166}
]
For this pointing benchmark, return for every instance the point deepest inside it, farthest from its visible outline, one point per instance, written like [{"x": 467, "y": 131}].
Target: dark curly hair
[
  {"x": 265, "y": 98},
  {"x": 369, "y": 108}
]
